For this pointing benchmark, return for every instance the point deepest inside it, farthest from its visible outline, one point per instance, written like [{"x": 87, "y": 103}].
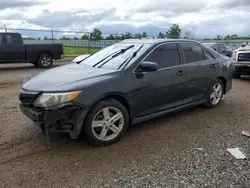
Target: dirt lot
[{"x": 158, "y": 153}]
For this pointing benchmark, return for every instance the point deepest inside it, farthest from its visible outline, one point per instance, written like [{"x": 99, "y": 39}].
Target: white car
[{"x": 241, "y": 61}]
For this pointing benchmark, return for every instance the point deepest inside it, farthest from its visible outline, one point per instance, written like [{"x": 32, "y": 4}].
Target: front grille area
[
  {"x": 26, "y": 98},
  {"x": 244, "y": 57}
]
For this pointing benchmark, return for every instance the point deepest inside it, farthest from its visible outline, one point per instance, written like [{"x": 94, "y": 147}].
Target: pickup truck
[
  {"x": 241, "y": 61},
  {"x": 221, "y": 48},
  {"x": 13, "y": 50}
]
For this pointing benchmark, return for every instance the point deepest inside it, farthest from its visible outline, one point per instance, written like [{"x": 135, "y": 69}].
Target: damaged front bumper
[{"x": 69, "y": 118}]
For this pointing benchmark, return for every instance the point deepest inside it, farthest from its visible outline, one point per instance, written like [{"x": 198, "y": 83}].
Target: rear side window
[
  {"x": 13, "y": 39},
  {"x": 1, "y": 39},
  {"x": 165, "y": 55},
  {"x": 221, "y": 47},
  {"x": 192, "y": 52}
]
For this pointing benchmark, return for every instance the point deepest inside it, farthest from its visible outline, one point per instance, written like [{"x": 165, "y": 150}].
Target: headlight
[{"x": 47, "y": 100}]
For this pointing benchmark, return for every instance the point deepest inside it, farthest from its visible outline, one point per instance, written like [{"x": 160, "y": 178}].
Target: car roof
[
  {"x": 155, "y": 41},
  {"x": 209, "y": 43},
  {"x": 9, "y": 33}
]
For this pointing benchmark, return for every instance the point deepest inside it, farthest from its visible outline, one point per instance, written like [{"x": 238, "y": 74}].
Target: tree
[
  {"x": 84, "y": 37},
  {"x": 219, "y": 37},
  {"x": 227, "y": 37},
  {"x": 75, "y": 38},
  {"x": 96, "y": 35},
  {"x": 188, "y": 35},
  {"x": 161, "y": 35},
  {"x": 144, "y": 35},
  {"x": 174, "y": 32},
  {"x": 128, "y": 35},
  {"x": 234, "y": 36},
  {"x": 45, "y": 38},
  {"x": 138, "y": 35},
  {"x": 38, "y": 38},
  {"x": 29, "y": 38},
  {"x": 64, "y": 38},
  {"x": 110, "y": 37}
]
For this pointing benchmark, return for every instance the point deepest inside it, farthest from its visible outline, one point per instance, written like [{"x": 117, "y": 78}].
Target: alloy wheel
[
  {"x": 107, "y": 124},
  {"x": 216, "y": 93}
]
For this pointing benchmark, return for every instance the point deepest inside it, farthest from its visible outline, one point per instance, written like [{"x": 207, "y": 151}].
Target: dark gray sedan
[{"x": 123, "y": 84}]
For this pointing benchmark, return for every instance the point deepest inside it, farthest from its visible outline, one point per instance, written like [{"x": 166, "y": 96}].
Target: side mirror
[
  {"x": 80, "y": 58},
  {"x": 148, "y": 66}
]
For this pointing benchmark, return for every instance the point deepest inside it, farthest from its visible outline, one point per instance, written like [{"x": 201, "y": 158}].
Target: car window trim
[{"x": 153, "y": 50}]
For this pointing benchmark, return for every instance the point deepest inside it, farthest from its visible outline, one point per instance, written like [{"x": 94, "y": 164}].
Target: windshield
[{"x": 112, "y": 56}]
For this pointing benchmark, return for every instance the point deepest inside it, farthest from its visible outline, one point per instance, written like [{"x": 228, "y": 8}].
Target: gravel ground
[{"x": 157, "y": 153}]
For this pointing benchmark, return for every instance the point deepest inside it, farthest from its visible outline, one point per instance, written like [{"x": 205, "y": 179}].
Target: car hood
[
  {"x": 67, "y": 77},
  {"x": 246, "y": 48}
]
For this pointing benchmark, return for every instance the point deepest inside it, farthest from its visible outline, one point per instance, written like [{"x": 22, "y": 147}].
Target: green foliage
[
  {"x": 219, "y": 37},
  {"x": 161, "y": 35},
  {"x": 144, "y": 35},
  {"x": 174, "y": 32},
  {"x": 110, "y": 37},
  {"x": 84, "y": 37},
  {"x": 65, "y": 38},
  {"x": 138, "y": 35},
  {"x": 76, "y": 51},
  {"x": 96, "y": 35},
  {"x": 29, "y": 38}
]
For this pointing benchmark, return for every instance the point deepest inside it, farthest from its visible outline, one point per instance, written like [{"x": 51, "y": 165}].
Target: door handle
[
  {"x": 180, "y": 73},
  {"x": 213, "y": 66}
]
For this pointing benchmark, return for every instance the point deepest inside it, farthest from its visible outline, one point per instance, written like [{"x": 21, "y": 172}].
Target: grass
[{"x": 70, "y": 51}]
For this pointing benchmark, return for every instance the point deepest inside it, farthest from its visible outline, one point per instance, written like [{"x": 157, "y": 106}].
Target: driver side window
[{"x": 165, "y": 55}]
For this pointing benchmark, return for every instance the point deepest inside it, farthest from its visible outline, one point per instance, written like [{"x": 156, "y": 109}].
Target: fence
[
  {"x": 76, "y": 43},
  {"x": 233, "y": 44},
  {"x": 32, "y": 36}
]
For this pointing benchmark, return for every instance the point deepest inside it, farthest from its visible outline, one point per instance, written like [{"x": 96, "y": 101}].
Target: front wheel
[
  {"x": 216, "y": 94},
  {"x": 106, "y": 123}
]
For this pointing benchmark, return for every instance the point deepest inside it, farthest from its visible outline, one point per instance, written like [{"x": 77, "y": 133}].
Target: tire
[
  {"x": 44, "y": 61},
  {"x": 215, "y": 97},
  {"x": 236, "y": 75},
  {"x": 113, "y": 132}
]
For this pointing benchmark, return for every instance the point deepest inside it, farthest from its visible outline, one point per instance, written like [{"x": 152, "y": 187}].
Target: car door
[
  {"x": 13, "y": 49},
  {"x": 162, "y": 89},
  {"x": 201, "y": 69}
]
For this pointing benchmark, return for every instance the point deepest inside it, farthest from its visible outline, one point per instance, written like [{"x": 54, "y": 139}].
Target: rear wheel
[
  {"x": 236, "y": 75},
  {"x": 216, "y": 94},
  {"x": 44, "y": 61},
  {"x": 106, "y": 123}
]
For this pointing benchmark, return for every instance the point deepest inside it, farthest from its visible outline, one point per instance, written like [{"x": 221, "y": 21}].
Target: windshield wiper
[
  {"x": 129, "y": 58},
  {"x": 113, "y": 55}
]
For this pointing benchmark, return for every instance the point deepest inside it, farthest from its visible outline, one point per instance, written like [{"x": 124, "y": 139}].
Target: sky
[{"x": 203, "y": 18}]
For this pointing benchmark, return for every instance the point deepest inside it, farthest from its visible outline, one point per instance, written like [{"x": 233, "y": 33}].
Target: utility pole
[
  {"x": 5, "y": 28},
  {"x": 52, "y": 33}
]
